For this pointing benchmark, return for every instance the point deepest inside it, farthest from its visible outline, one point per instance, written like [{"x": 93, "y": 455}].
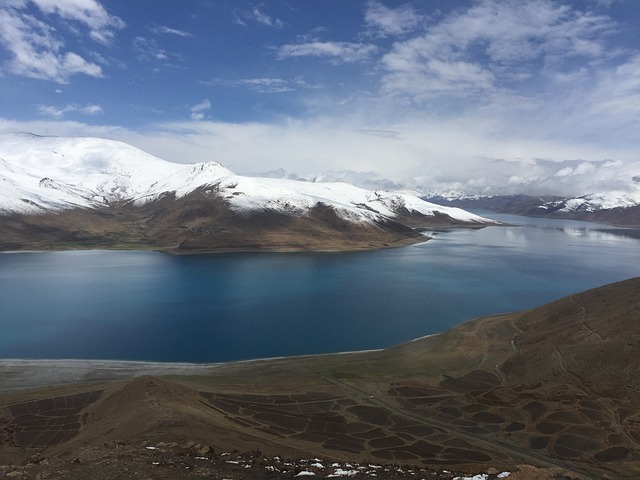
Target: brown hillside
[
  {"x": 203, "y": 222},
  {"x": 197, "y": 222}
]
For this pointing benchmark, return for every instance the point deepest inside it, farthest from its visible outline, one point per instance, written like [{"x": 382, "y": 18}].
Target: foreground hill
[
  {"x": 93, "y": 193},
  {"x": 557, "y": 387}
]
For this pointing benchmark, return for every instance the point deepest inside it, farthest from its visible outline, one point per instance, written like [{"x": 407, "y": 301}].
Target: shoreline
[
  {"x": 171, "y": 251},
  {"x": 22, "y": 374}
]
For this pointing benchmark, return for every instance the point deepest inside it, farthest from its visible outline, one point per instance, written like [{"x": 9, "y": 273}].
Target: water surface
[{"x": 206, "y": 308}]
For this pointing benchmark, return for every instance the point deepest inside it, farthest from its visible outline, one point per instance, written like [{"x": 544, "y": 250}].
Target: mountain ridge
[
  {"x": 77, "y": 192},
  {"x": 611, "y": 194},
  {"x": 587, "y": 208}
]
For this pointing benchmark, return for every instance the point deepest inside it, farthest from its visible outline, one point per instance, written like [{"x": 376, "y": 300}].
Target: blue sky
[{"x": 483, "y": 96}]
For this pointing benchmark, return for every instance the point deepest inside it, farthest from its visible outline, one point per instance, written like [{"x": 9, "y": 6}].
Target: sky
[{"x": 478, "y": 96}]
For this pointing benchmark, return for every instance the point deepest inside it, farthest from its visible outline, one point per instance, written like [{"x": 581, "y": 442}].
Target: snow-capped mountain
[
  {"x": 596, "y": 190},
  {"x": 45, "y": 175},
  {"x": 593, "y": 202},
  {"x": 49, "y": 173},
  {"x": 615, "y": 208}
]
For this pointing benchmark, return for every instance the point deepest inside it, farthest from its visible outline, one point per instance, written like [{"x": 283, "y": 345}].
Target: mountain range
[
  {"x": 620, "y": 210},
  {"x": 94, "y": 193},
  {"x": 611, "y": 196}
]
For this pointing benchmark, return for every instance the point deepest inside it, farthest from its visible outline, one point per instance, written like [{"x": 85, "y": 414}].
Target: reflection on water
[
  {"x": 576, "y": 228},
  {"x": 602, "y": 235},
  {"x": 150, "y": 306}
]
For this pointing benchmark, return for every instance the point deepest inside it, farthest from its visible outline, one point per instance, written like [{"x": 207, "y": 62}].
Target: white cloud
[
  {"x": 256, "y": 15},
  {"x": 91, "y": 13},
  {"x": 425, "y": 153},
  {"x": 563, "y": 172},
  {"x": 59, "y": 112},
  {"x": 92, "y": 109},
  {"x": 267, "y": 85},
  {"x": 266, "y": 19},
  {"x": 162, "y": 29},
  {"x": 263, "y": 84},
  {"x": 197, "y": 110},
  {"x": 148, "y": 49},
  {"x": 37, "y": 49},
  {"x": 385, "y": 21},
  {"x": 492, "y": 46},
  {"x": 585, "y": 168},
  {"x": 501, "y": 97},
  {"x": 338, "y": 51}
]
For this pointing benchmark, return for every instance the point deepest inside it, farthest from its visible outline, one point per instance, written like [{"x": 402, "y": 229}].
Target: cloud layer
[
  {"x": 38, "y": 49},
  {"x": 532, "y": 96}
]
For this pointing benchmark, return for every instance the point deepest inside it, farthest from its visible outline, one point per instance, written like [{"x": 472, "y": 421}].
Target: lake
[{"x": 132, "y": 305}]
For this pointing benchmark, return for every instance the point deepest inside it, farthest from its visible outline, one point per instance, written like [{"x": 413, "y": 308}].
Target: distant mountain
[
  {"x": 87, "y": 192},
  {"x": 615, "y": 209},
  {"x": 605, "y": 191}
]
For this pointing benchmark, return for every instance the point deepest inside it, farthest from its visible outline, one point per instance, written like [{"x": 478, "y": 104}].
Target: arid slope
[{"x": 204, "y": 222}]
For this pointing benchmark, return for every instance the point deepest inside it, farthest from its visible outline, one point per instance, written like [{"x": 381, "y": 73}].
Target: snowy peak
[
  {"x": 40, "y": 174},
  {"x": 45, "y": 173}
]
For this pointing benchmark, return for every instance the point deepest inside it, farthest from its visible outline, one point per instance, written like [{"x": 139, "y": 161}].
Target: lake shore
[
  {"x": 483, "y": 395},
  {"x": 19, "y": 374}
]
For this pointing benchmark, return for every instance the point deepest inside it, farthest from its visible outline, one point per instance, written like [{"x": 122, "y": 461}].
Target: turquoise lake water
[{"x": 210, "y": 308}]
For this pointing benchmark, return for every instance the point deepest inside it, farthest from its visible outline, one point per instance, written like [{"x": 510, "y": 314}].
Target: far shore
[{"x": 178, "y": 252}]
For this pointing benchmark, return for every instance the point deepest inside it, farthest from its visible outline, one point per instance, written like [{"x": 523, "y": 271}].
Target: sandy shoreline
[{"x": 18, "y": 374}]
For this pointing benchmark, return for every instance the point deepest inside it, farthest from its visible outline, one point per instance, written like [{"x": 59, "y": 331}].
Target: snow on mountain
[
  {"x": 593, "y": 202},
  {"x": 597, "y": 201},
  {"x": 610, "y": 185},
  {"x": 44, "y": 173},
  {"x": 582, "y": 186},
  {"x": 39, "y": 174}
]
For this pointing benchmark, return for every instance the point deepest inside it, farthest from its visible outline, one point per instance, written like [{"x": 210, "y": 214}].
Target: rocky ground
[{"x": 168, "y": 460}]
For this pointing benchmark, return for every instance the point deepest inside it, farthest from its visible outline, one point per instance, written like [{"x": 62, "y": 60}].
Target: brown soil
[{"x": 556, "y": 387}]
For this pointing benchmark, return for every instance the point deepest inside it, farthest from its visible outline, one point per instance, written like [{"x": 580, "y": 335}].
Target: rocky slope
[{"x": 87, "y": 192}]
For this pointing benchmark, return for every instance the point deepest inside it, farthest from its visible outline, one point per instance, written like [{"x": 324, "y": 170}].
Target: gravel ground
[{"x": 164, "y": 461}]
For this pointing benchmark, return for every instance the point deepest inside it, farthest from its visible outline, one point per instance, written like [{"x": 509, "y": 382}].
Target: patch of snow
[{"x": 343, "y": 473}]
